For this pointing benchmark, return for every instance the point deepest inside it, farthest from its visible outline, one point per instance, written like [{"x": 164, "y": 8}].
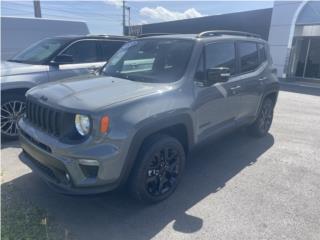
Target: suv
[
  {"x": 49, "y": 60},
  {"x": 156, "y": 98}
]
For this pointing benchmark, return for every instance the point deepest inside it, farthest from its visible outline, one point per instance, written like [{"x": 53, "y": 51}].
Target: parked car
[
  {"x": 49, "y": 60},
  {"x": 135, "y": 124}
]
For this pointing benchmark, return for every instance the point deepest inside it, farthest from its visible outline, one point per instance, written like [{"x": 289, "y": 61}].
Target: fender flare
[
  {"x": 156, "y": 126},
  {"x": 271, "y": 90},
  {"x": 16, "y": 86}
]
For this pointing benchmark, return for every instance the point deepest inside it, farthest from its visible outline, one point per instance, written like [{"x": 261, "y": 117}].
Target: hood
[
  {"x": 13, "y": 68},
  {"x": 93, "y": 93}
]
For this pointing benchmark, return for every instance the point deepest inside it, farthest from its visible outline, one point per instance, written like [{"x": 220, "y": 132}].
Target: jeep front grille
[{"x": 43, "y": 117}]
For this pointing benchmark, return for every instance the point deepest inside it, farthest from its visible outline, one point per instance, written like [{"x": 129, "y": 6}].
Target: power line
[
  {"x": 46, "y": 14},
  {"x": 21, "y": 10},
  {"x": 71, "y": 12}
]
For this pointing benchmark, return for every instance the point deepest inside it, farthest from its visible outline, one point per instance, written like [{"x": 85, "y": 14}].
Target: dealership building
[{"x": 292, "y": 29}]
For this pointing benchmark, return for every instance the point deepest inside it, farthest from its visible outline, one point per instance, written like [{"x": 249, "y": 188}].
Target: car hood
[
  {"x": 13, "y": 68},
  {"x": 93, "y": 93}
]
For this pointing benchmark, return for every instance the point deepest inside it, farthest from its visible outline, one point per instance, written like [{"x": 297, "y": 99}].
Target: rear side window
[
  {"x": 221, "y": 55},
  {"x": 262, "y": 52},
  {"x": 108, "y": 48},
  {"x": 249, "y": 58},
  {"x": 83, "y": 51}
]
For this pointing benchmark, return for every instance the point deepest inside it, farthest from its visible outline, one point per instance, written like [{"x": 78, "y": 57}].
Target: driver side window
[
  {"x": 83, "y": 52},
  {"x": 221, "y": 55}
]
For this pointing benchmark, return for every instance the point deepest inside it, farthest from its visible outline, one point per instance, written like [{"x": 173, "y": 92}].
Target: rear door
[
  {"x": 85, "y": 60},
  {"x": 252, "y": 75}
]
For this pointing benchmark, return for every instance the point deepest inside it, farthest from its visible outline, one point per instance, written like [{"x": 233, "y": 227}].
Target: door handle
[
  {"x": 262, "y": 78},
  {"x": 235, "y": 88}
]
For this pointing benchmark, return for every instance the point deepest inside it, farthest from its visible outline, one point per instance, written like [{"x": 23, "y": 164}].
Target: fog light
[{"x": 68, "y": 177}]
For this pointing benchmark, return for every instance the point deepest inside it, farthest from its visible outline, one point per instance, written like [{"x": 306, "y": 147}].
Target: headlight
[{"x": 82, "y": 123}]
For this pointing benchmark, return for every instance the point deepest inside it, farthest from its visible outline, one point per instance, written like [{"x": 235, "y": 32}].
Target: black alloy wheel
[
  {"x": 163, "y": 171},
  {"x": 266, "y": 117},
  {"x": 263, "y": 123},
  {"x": 158, "y": 169}
]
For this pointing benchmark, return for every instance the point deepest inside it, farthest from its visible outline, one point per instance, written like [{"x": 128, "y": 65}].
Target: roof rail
[
  {"x": 108, "y": 36},
  {"x": 226, "y": 32},
  {"x": 152, "y": 34}
]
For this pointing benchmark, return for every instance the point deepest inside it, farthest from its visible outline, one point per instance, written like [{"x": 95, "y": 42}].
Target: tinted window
[
  {"x": 221, "y": 55},
  {"x": 83, "y": 51},
  {"x": 262, "y": 52},
  {"x": 249, "y": 59},
  {"x": 151, "y": 60},
  {"x": 108, "y": 48}
]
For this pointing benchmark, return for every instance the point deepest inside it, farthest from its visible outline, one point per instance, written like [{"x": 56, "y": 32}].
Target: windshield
[
  {"x": 151, "y": 60},
  {"x": 39, "y": 52}
]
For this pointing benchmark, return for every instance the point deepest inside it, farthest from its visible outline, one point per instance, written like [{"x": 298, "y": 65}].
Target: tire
[
  {"x": 261, "y": 126},
  {"x": 155, "y": 177},
  {"x": 12, "y": 108}
]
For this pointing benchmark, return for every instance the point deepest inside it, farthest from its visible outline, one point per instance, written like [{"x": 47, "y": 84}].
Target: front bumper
[{"x": 60, "y": 166}]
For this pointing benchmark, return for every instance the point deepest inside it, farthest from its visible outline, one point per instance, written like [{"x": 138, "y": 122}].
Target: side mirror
[
  {"x": 220, "y": 74},
  {"x": 62, "y": 59}
]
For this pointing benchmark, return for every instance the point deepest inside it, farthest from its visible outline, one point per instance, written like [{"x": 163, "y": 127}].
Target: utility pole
[
  {"x": 124, "y": 17},
  {"x": 129, "y": 16},
  {"x": 37, "y": 8}
]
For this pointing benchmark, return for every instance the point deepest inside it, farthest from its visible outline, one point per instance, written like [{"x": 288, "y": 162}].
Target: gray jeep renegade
[{"x": 156, "y": 98}]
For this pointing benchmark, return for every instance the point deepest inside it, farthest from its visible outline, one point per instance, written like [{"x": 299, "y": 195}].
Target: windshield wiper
[
  {"x": 118, "y": 75},
  {"x": 12, "y": 60}
]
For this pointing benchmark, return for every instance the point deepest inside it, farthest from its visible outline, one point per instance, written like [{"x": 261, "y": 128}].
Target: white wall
[
  {"x": 279, "y": 36},
  {"x": 19, "y": 33}
]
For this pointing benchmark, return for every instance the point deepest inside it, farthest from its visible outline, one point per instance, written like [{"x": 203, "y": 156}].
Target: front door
[
  {"x": 216, "y": 106},
  {"x": 85, "y": 60}
]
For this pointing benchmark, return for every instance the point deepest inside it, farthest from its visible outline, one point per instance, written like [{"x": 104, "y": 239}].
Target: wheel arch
[
  {"x": 21, "y": 90},
  {"x": 180, "y": 127}
]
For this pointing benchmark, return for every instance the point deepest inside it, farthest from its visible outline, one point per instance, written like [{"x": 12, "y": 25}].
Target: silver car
[{"x": 51, "y": 59}]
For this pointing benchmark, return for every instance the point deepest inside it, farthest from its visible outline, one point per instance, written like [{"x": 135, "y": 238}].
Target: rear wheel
[
  {"x": 12, "y": 108},
  {"x": 158, "y": 170},
  {"x": 263, "y": 123}
]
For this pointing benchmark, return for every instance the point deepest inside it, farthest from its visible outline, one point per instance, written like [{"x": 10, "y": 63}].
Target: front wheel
[
  {"x": 262, "y": 124},
  {"x": 12, "y": 108},
  {"x": 158, "y": 169}
]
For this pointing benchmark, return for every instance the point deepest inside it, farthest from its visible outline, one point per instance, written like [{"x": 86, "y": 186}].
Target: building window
[
  {"x": 306, "y": 58},
  {"x": 313, "y": 60}
]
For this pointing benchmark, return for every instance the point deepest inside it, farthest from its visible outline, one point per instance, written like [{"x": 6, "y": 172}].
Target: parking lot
[{"x": 235, "y": 188}]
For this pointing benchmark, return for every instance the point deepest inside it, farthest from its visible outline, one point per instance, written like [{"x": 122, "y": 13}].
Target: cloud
[
  {"x": 161, "y": 13},
  {"x": 143, "y": 22},
  {"x": 117, "y": 3}
]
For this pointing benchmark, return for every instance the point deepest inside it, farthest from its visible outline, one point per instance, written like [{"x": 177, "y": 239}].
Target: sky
[{"x": 105, "y": 17}]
